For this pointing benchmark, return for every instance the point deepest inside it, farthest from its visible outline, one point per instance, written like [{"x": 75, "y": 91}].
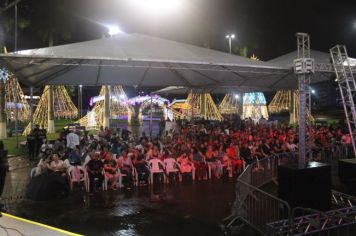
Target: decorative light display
[
  {"x": 118, "y": 107},
  {"x": 14, "y": 97},
  {"x": 64, "y": 108},
  {"x": 177, "y": 108},
  {"x": 254, "y": 106},
  {"x": 145, "y": 102},
  {"x": 204, "y": 107},
  {"x": 229, "y": 105},
  {"x": 281, "y": 102}
]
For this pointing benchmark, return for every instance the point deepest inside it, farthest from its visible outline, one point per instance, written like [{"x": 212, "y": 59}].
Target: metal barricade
[
  {"x": 253, "y": 205},
  {"x": 272, "y": 216},
  {"x": 333, "y": 152}
]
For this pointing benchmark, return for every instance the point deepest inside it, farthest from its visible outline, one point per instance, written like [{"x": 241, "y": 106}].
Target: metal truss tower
[
  {"x": 347, "y": 87},
  {"x": 303, "y": 68}
]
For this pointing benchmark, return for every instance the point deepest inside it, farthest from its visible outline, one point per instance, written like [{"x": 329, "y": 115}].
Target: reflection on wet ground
[{"x": 177, "y": 209}]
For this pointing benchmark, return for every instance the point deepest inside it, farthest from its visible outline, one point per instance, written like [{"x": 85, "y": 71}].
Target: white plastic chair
[
  {"x": 172, "y": 166},
  {"x": 104, "y": 184},
  {"x": 192, "y": 170},
  {"x": 78, "y": 174},
  {"x": 121, "y": 175},
  {"x": 33, "y": 172},
  {"x": 154, "y": 166}
]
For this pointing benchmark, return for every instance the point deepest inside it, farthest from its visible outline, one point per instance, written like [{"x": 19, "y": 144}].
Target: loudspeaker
[
  {"x": 305, "y": 186},
  {"x": 347, "y": 169}
]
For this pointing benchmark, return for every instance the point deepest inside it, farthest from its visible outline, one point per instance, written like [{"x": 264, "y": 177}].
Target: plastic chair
[
  {"x": 134, "y": 176},
  {"x": 192, "y": 172},
  {"x": 78, "y": 174},
  {"x": 172, "y": 166},
  {"x": 154, "y": 166},
  {"x": 104, "y": 184},
  {"x": 33, "y": 172}
]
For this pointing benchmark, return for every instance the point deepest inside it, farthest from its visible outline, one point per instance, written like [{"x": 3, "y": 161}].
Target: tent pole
[
  {"x": 16, "y": 120},
  {"x": 106, "y": 122},
  {"x": 80, "y": 101},
  {"x": 3, "y": 133},
  {"x": 31, "y": 107},
  {"x": 192, "y": 107},
  {"x": 50, "y": 125},
  {"x": 151, "y": 107}
]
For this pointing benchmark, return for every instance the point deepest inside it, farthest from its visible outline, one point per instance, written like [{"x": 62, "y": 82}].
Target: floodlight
[
  {"x": 237, "y": 96},
  {"x": 313, "y": 91},
  {"x": 232, "y": 36},
  {"x": 114, "y": 30}
]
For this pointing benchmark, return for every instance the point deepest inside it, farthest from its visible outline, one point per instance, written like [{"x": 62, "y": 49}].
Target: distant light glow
[
  {"x": 237, "y": 96},
  {"x": 313, "y": 91},
  {"x": 158, "y": 7},
  {"x": 230, "y": 36},
  {"x": 114, "y": 30}
]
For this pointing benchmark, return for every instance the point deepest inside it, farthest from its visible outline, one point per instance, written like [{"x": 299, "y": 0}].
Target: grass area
[{"x": 10, "y": 142}]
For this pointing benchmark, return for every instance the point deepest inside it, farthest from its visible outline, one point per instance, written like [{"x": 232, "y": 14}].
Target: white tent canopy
[{"x": 144, "y": 61}]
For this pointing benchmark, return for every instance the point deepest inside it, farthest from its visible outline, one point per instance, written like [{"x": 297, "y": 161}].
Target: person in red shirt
[{"x": 234, "y": 154}]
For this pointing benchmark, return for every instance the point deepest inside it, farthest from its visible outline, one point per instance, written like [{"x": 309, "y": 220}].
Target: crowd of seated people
[{"x": 203, "y": 149}]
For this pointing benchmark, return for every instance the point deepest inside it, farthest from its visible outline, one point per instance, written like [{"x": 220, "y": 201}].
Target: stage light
[
  {"x": 114, "y": 30},
  {"x": 122, "y": 96}
]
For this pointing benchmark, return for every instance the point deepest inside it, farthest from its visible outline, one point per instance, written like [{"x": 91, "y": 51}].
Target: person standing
[
  {"x": 72, "y": 140},
  {"x": 31, "y": 146}
]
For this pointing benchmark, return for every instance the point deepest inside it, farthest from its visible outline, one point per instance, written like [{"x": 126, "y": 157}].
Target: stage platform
[{"x": 15, "y": 226}]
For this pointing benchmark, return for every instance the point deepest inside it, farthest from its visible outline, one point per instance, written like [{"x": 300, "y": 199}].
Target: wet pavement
[{"x": 176, "y": 209}]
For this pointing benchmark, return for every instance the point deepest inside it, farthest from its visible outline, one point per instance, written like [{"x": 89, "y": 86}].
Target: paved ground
[
  {"x": 177, "y": 209},
  {"x": 181, "y": 209}
]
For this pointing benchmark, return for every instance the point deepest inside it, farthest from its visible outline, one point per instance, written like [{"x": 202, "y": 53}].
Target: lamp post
[{"x": 230, "y": 37}]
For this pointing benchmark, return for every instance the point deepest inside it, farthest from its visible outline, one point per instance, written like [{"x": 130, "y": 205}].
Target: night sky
[{"x": 267, "y": 28}]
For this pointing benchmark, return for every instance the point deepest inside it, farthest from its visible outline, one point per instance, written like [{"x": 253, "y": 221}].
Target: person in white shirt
[{"x": 72, "y": 140}]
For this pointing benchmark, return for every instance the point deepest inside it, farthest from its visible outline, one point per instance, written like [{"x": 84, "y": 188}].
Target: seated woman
[
  {"x": 125, "y": 166},
  {"x": 186, "y": 165},
  {"x": 140, "y": 165},
  {"x": 224, "y": 160},
  {"x": 213, "y": 162},
  {"x": 110, "y": 167},
  {"x": 95, "y": 170},
  {"x": 57, "y": 165},
  {"x": 234, "y": 153}
]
